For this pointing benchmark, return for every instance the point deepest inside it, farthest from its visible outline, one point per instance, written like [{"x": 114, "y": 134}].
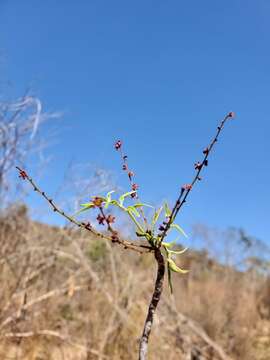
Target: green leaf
[
  {"x": 133, "y": 210},
  {"x": 170, "y": 278},
  {"x": 140, "y": 234},
  {"x": 108, "y": 199},
  {"x": 178, "y": 228},
  {"x": 168, "y": 245},
  {"x": 86, "y": 207},
  {"x": 175, "y": 268},
  {"x": 178, "y": 252},
  {"x": 122, "y": 197},
  {"x": 167, "y": 210},
  {"x": 156, "y": 216},
  {"x": 141, "y": 204}
]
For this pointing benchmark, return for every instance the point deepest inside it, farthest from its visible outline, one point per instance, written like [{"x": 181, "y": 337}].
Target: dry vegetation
[{"x": 65, "y": 295}]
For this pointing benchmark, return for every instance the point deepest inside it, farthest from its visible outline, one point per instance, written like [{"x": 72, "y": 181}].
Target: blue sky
[{"x": 158, "y": 75}]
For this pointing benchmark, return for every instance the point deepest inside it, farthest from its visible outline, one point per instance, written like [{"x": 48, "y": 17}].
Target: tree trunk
[{"x": 153, "y": 305}]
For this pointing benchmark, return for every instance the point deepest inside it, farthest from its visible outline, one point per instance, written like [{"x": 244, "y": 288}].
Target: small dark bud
[
  {"x": 198, "y": 166},
  {"x": 161, "y": 228},
  {"x": 114, "y": 236},
  {"x": 110, "y": 219},
  {"x": 100, "y": 219},
  {"x": 118, "y": 144},
  {"x": 130, "y": 174},
  {"x": 231, "y": 114},
  {"x": 135, "y": 187},
  {"x": 187, "y": 187},
  {"x": 124, "y": 167},
  {"x": 206, "y": 162},
  {"x": 206, "y": 151}
]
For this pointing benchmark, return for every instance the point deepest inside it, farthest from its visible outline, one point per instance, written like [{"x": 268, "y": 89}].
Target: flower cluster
[
  {"x": 22, "y": 173},
  {"x": 187, "y": 187},
  {"x": 118, "y": 145},
  {"x": 103, "y": 219},
  {"x": 97, "y": 201}
]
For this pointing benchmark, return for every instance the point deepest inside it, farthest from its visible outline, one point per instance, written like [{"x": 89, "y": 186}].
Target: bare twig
[
  {"x": 186, "y": 189},
  {"x": 87, "y": 226}
]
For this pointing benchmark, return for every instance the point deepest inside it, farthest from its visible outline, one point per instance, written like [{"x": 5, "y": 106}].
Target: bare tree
[{"x": 20, "y": 123}]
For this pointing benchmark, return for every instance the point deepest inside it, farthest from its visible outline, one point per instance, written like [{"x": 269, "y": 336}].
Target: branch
[
  {"x": 186, "y": 189},
  {"x": 126, "y": 244},
  {"x": 153, "y": 305}
]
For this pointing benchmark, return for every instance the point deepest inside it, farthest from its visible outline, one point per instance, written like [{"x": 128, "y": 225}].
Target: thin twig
[
  {"x": 126, "y": 244},
  {"x": 185, "y": 190},
  {"x": 158, "y": 255}
]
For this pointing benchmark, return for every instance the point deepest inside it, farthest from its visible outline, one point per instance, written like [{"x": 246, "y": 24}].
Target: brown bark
[{"x": 153, "y": 305}]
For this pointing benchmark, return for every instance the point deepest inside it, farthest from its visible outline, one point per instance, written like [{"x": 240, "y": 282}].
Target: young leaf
[
  {"x": 140, "y": 205},
  {"x": 167, "y": 210},
  {"x": 108, "y": 199},
  {"x": 170, "y": 278},
  {"x": 86, "y": 206},
  {"x": 156, "y": 216},
  {"x": 178, "y": 252},
  {"x": 122, "y": 197},
  {"x": 133, "y": 210},
  {"x": 140, "y": 234},
  {"x": 178, "y": 228},
  {"x": 168, "y": 245},
  {"x": 175, "y": 268}
]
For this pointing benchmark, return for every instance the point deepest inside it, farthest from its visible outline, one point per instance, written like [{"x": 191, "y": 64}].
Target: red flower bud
[
  {"x": 114, "y": 236},
  {"x": 198, "y": 165},
  {"x": 97, "y": 201},
  {"x": 206, "y": 151},
  {"x": 130, "y": 174},
  {"x": 100, "y": 219},
  {"x": 118, "y": 144},
  {"x": 135, "y": 187},
  {"x": 231, "y": 114},
  {"x": 22, "y": 174},
  {"x": 110, "y": 219},
  {"x": 187, "y": 187}
]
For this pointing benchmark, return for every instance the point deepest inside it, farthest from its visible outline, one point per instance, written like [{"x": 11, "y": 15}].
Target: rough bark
[{"x": 153, "y": 305}]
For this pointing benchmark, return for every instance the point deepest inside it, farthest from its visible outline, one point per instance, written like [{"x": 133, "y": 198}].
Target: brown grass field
[{"x": 65, "y": 295}]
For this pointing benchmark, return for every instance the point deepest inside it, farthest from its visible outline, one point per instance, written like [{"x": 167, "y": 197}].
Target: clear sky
[{"x": 159, "y": 75}]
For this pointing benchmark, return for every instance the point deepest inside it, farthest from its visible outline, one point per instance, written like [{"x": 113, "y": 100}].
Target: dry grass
[{"x": 65, "y": 295}]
